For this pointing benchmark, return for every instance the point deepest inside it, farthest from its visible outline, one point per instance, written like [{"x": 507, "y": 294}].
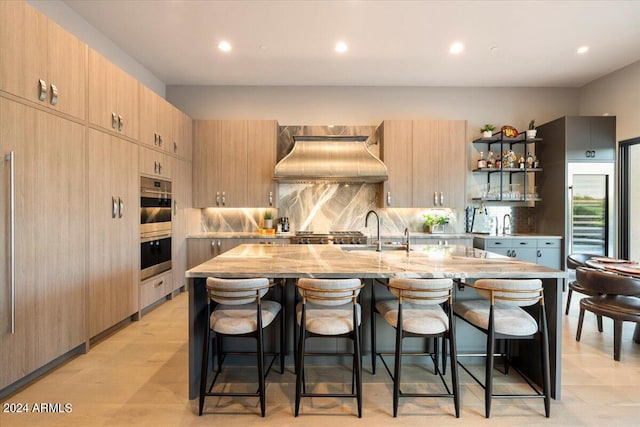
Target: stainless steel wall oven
[{"x": 155, "y": 227}]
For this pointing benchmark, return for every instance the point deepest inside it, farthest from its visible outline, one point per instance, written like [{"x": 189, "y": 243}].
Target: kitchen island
[{"x": 332, "y": 261}]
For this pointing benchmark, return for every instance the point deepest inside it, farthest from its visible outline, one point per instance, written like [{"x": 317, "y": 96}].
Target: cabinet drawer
[
  {"x": 551, "y": 243},
  {"x": 155, "y": 288},
  {"x": 523, "y": 243},
  {"x": 497, "y": 243}
]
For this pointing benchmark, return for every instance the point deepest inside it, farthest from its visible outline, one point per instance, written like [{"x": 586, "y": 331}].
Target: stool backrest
[
  {"x": 236, "y": 291},
  {"x": 421, "y": 291},
  {"x": 577, "y": 260},
  {"x": 520, "y": 292},
  {"x": 329, "y": 291},
  {"x": 607, "y": 283}
]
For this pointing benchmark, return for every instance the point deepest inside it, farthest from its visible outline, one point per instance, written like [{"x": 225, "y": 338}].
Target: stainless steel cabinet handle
[
  {"x": 155, "y": 167},
  {"x": 12, "y": 235},
  {"x": 175, "y": 147},
  {"x": 114, "y": 207},
  {"x": 43, "y": 90},
  {"x": 389, "y": 198},
  {"x": 175, "y": 207},
  {"x": 54, "y": 94},
  {"x": 120, "y": 123},
  {"x": 441, "y": 199},
  {"x": 270, "y": 198},
  {"x": 224, "y": 198},
  {"x": 217, "y": 198},
  {"x": 219, "y": 243},
  {"x": 159, "y": 168},
  {"x": 114, "y": 120},
  {"x": 158, "y": 284},
  {"x": 160, "y": 140},
  {"x": 155, "y": 138},
  {"x": 435, "y": 198},
  {"x": 120, "y": 207}
]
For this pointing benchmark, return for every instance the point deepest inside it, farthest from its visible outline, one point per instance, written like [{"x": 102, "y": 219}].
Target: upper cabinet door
[
  {"x": 262, "y": 142},
  {"x": 233, "y": 171},
  {"x": 396, "y": 153},
  {"x": 591, "y": 138},
  {"x": 182, "y": 133},
  {"x": 41, "y": 62},
  {"x": 206, "y": 157},
  {"x": 426, "y": 144},
  {"x": 113, "y": 97}
]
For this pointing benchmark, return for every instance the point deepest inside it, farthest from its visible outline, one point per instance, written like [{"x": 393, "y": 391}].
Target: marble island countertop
[
  {"x": 293, "y": 261},
  {"x": 257, "y": 235}
]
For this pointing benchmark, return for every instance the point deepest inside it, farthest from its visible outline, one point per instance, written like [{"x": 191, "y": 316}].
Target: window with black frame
[{"x": 629, "y": 246}]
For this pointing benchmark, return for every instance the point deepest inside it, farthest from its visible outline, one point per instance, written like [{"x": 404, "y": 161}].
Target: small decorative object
[
  {"x": 487, "y": 130},
  {"x": 482, "y": 162},
  {"x": 435, "y": 223},
  {"x": 531, "y": 132},
  {"x": 268, "y": 219},
  {"x": 509, "y": 131}
]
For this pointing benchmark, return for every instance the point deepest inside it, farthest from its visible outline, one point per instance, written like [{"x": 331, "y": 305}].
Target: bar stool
[
  {"x": 500, "y": 316},
  {"x": 237, "y": 309},
  {"x": 418, "y": 312},
  {"x": 329, "y": 308}
]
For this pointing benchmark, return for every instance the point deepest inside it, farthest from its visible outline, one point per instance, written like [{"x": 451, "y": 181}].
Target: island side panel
[{"x": 197, "y": 328}]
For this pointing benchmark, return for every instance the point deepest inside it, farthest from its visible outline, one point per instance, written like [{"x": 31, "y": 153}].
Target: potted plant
[
  {"x": 268, "y": 219},
  {"x": 435, "y": 223},
  {"x": 487, "y": 130},
  {"x": 532, "y": 131}
]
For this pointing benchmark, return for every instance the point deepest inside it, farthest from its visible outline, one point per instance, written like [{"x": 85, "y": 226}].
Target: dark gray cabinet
[
  {"x": 538, "y": 250},
  {"x": 590, "y": 138}
]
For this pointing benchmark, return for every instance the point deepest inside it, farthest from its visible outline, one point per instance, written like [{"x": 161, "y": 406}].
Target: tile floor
[{"x": 138, "y": 377}]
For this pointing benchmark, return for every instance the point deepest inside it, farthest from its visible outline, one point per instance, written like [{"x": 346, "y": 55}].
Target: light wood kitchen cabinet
[
  {"x": 181, "y": 145},
  {"x": 220, "y": 163},
  {"x": 181, "y": 193},
  {"x": 262, "y": 139},
  {"x": 200, "y": 250},
  {"x": 113, "y": 97},
  {"x": 114, "y": 223},
  {"x": 155, "y": 288},
  {"x": 47, "y": 307},
  {"x": 396, "y": 151},
  {"x": 156, "y": 120},
  {"x": 41, "y": 62},
  {"x": 426, "y": 163},
  {"x": 155, "y": 163}
]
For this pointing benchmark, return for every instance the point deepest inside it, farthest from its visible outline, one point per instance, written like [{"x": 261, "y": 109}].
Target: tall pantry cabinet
[{"x": 42, "y": 299}]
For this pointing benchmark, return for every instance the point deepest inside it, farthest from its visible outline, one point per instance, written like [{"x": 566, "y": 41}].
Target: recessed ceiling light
[
  {"x": 341, "y": 47},
  {"x": 583, "y": 49},
  {"x": 456, "y": 48},
  {"x": 224, "y": 46}
]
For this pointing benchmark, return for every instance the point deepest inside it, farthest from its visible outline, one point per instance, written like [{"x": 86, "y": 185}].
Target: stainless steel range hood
[{"x": 331, "y": 159}]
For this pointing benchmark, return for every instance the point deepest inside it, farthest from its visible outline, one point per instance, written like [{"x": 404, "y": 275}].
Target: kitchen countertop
[
  {"x": 515, "y": 236},
  {"x": 293, "y": 261},
  {"x": 256, "y": 235}
]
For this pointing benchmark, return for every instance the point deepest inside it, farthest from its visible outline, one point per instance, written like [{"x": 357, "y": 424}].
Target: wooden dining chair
[{"x": 614, "y": 296}]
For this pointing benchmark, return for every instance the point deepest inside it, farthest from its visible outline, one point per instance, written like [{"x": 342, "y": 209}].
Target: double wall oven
[{"x": 155, "y": 227}]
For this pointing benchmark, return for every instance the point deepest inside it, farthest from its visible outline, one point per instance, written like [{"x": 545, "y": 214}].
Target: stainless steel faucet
[
  {"x": 366, "y": 221},
  {"x": 406, "y": 233},
  {"x": 506, "y": 229}
]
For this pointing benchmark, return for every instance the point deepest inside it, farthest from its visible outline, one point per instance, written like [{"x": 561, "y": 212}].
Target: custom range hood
[{"x": 331, "y": 159}]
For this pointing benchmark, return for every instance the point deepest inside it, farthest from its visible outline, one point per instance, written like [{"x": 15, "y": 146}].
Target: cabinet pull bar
[
  {"x": 175, "y": 147},
  {"x": 114, "y": 120},
  {"x": 156, "y": 285},
  {"x": 120, "y": 207},
  {"x": 389, "y": 198},
  {"x": 270, "y": 198},
  {"x": 435, "y": 198},
  {"x": 43, "y": 90},
  {"x": 54, "y": 94},
  {"x": 175, "y": 207},
  {"x": 441, "y": 199},
  {"x": 217, "y": 198},
  {"x": 12, "y": 237},
  {"x": 224, "y": 198},
  {"x": 120, "y": 123},
  {"x": 114, "y": 207}
]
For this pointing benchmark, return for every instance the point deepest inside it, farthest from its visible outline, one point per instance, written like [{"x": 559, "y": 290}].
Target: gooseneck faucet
[
  {"x": 366, "y": 221},
  {"x": 506, "y": 229},
  {"x": 406, "y": 233}
]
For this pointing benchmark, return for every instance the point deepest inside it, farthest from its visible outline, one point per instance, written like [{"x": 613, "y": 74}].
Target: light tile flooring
[{"x": 138, "y": 376}]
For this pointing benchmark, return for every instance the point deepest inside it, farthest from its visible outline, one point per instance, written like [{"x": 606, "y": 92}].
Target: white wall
[
  {"x": 348, "y": 105},
  {"x": 618, "y": 94},
  {"x": 67, "y": 18}
]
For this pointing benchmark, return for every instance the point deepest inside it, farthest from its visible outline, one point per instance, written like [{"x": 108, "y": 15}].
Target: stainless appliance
[
  {"x": 155, "y": 227},
  {"x": 330, "y": 238},
  {"x": 155, "y": 206}
]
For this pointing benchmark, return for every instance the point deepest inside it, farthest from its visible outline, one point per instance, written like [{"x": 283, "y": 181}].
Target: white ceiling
[{"x": 391, "y": 43}]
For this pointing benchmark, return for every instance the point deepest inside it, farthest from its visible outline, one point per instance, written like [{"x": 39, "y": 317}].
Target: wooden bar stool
[
  {"x": 237, "y": 309},
  {"x": 500, "y": 316},
  {"x": 329, "y": 308},
  {"x": 422, "y": 309}
]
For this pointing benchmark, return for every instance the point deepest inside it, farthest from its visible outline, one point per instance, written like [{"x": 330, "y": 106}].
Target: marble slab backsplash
[{"x": 323, "y": 207}]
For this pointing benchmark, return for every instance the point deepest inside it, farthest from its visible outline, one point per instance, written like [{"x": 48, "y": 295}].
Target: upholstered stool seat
[
  {"x": 422, "y": 308},
  {"x": 329, "y": 320},
  {"x": 508, "y": 320},
  {"x": 242, "y": 319}
]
